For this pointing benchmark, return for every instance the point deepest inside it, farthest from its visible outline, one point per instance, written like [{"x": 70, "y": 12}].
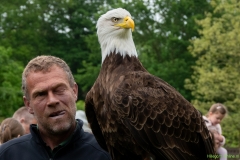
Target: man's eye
[
  {"x": 40, "y": 94},
  {"x": 60, "y": 90},
  {"x": 114, "y": 19}
]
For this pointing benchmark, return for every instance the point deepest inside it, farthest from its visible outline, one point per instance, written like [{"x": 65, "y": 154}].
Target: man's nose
[{"x": 52, "y": 99}]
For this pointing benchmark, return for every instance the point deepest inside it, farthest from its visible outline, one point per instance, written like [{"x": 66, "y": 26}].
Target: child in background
[
  {"x": 10, "y": 128},
  {"x": 216, "y": 137},
  {"x": 213, "y": 119}
]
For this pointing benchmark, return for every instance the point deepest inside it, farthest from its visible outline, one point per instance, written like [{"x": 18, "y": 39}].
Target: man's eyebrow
[
  {"x": 35, "y": 93},
  {"x": 59, "y": 85},
  {"x": 52, "y": 87}
]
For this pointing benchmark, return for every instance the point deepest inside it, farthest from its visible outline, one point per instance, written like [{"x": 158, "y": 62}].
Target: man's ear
[
  {"x": 27, "y": 104},
  {"x": 75, "y": 90}
]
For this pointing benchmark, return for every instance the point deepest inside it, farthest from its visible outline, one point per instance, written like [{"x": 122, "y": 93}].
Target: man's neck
[{"x": 53, "y": 140}]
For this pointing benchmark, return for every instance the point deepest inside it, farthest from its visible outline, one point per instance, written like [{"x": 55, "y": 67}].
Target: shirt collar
[{"x": 62, "y": 144}]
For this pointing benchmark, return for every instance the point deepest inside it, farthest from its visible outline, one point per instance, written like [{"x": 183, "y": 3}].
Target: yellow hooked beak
[{"x": 127, "y": 23}]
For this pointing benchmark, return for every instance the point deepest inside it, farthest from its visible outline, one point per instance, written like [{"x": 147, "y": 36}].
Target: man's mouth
[{"x": 56, "y": 114}]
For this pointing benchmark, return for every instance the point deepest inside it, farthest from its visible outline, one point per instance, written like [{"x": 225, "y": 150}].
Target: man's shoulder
[
  {"x": 90, "y": 146},
  {"x": 89, "y": 140}
]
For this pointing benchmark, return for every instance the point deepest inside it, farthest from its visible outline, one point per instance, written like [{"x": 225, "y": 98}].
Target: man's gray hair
[{"x": 43, "y": 64}]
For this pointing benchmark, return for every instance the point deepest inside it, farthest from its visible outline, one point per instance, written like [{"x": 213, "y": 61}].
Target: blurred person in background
[
  {"x": 10, "y": 128},
  {"x": 25, "y": 118},
  {"x": 81, "y": 115}
]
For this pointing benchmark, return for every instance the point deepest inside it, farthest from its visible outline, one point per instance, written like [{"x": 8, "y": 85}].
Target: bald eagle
[{"x": 136, "y": 115}]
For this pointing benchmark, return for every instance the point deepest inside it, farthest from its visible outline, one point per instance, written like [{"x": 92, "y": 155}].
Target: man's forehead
[{"x": 41, "y": 76}]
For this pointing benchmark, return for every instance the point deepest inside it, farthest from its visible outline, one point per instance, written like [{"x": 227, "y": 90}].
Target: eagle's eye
[{"x": 114, "y": 19}]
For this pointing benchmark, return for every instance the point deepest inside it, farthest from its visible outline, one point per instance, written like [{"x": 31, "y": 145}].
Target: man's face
[{"x": 52, "y": 100}]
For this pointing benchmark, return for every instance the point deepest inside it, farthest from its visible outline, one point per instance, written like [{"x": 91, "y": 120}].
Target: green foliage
[
  {"x": 60, "y": 28},
  {"x": 171, "y": 71},
  {"x": 231, "y": 129},
  {"x": 216, "y": 74},
  {"x": 80, "y": 105},
  {"x": 87, "y": 75},
  {"x": 10, "y": 83},
  {"x": 67, "y": 29},
  {"x": 164, "y": 40}
]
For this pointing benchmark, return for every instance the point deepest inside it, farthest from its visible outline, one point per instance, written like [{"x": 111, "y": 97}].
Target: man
[
  {"x": 50, "y": 93},
  {"x": 25, "y": 118}
]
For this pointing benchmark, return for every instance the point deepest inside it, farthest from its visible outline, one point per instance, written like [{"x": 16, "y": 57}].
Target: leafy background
[{"x": 191, "y": 44}]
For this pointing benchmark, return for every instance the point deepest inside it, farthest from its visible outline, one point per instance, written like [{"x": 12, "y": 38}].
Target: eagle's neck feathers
[{"x": 122, "y": 45}]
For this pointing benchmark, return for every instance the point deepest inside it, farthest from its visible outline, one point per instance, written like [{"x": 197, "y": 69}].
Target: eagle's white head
[{"x": 114, "y": 30}]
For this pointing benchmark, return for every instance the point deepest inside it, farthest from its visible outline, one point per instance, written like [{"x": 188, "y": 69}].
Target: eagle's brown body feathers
[{"x": 135, "y": 115}]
